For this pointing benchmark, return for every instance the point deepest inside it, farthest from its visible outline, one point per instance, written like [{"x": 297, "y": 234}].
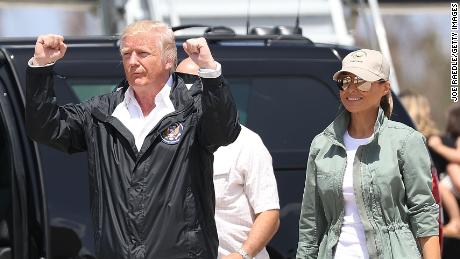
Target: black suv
[{"x": 283, "y": 89}]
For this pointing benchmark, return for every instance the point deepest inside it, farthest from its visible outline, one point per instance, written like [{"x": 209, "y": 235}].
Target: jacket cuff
[
  {"x": 212, "y": 82},
  {"x": 48, "y": 69},
  {"x": 31, "y": 64},
  {"x": 210, "y": 73},
  {"x": 426, "y": 222}
]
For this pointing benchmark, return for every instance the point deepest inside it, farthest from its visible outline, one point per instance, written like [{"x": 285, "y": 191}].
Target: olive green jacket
[{"x": 392, "y": 185}]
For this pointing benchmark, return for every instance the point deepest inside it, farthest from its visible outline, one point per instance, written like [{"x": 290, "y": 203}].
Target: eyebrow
[{"x": 135, "y": 49}]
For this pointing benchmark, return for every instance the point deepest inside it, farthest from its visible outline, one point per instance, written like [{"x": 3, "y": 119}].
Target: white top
[
  {"x": 130, "y": 114},
  {"x": 245, "y": 185},
  {"x": 352, "y": 241}
]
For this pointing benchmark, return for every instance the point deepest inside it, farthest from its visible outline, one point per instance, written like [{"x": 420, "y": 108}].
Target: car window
[
  {"x": 286, "y": 111},
  {"x": 85, "y": 91}
]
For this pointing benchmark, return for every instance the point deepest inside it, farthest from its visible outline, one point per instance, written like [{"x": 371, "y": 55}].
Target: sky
[{"x": 23, "y": 21}]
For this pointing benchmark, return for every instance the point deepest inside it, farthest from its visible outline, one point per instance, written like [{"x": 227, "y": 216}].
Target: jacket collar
[
  {"x": 190, "y": 79},
  {"x": 162, "y": 98},
  {"x": 179, "y": 95},
  {"x": 337, "y": 128}
]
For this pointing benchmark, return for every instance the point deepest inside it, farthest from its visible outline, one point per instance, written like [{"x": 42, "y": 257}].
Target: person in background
[
  {"x": 149, "y": 144},
  {"x": 247, "y": 204},
  {"x": 419, "y": 110},
  {"x": 368, "y": 183},
  {"x": 448, "y": 146}
]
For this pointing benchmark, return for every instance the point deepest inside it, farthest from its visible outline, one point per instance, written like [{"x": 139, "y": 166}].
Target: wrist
[
  {"x": 211, "y": 64},
  {"x": 39, "y": 62},
  {"x": 244, "y": 253},
  {"x": 35, "y": 61}
]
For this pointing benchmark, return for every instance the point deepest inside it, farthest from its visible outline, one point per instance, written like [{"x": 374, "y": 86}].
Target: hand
[
  {"x": 434, "y": 141},
  {"x": 233, "y": 256},
  {"x": 198, "y": 50},
  {"x": 49, "y": 49}
]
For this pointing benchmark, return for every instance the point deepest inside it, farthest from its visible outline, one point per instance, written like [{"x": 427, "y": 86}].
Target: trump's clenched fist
[
  {"x": 49, "y": 49},
  {"x": 198, "y": 50}
]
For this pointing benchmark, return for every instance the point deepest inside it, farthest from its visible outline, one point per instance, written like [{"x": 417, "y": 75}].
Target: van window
[
  {"x": 281, "y": 108},
  {"x": 86, "y": 91}
]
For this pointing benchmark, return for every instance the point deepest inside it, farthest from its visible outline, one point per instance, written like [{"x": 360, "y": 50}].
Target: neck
[
  {"x": 362, "y": 123},
  {"x": 146, "y": 101},
  {"x": 146, "y": 96}
]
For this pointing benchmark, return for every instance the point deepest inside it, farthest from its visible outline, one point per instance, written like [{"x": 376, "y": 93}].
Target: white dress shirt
[
  {"x": 245, "y": 185},
  {"x": 130, "y": 114}
]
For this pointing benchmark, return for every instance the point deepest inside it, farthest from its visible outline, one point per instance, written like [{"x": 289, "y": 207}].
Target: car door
[
  {"x": 23, "y": 226},
  {"x": 86, "y": 67}
]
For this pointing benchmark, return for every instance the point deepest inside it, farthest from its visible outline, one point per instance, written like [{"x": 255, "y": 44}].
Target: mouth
[{"x": 354, "y": 99}]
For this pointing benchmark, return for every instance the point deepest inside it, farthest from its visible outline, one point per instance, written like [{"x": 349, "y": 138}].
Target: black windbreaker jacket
[{"x": 156, "y": 203}]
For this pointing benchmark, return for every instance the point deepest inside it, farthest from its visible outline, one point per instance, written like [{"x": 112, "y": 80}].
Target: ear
[
  {"x": 168, "y": 64},
  {"x": 386, "y": 87}
]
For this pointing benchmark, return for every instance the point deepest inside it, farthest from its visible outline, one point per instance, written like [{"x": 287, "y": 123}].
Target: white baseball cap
[{"x": 367, "y": 64}]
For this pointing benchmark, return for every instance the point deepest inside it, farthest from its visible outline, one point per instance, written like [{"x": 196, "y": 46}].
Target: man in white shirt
[
  {"x": 149, "y": 144},
  {"x": 247, "y": 204}
]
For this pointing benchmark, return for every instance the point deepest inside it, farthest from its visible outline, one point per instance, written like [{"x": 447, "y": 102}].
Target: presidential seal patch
[{"x": 172, "y": 134}]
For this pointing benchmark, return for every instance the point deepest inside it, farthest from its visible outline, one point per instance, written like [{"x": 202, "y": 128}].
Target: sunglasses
[{"x": 364, "y": 86}]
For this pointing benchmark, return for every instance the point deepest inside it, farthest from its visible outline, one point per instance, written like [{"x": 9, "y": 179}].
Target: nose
[
  {"x": 352, "y": 87},
  {"x": 133, "y": 59}
]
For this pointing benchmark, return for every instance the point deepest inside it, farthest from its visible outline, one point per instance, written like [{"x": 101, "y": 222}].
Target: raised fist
[
  {"x": 49, "y": 49},
  {"x": 198, "y": 50}
]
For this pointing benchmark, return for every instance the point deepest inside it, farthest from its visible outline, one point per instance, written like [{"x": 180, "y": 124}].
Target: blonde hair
[
  {"x": 419, "y": 110},
  {"x": 167, "y": 40}
]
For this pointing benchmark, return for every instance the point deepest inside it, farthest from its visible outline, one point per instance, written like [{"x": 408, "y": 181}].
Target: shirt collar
[{"x": 161, "y": 99}]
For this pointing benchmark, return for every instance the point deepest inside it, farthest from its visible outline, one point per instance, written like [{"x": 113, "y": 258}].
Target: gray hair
[{"x": 167, "y": 40}]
